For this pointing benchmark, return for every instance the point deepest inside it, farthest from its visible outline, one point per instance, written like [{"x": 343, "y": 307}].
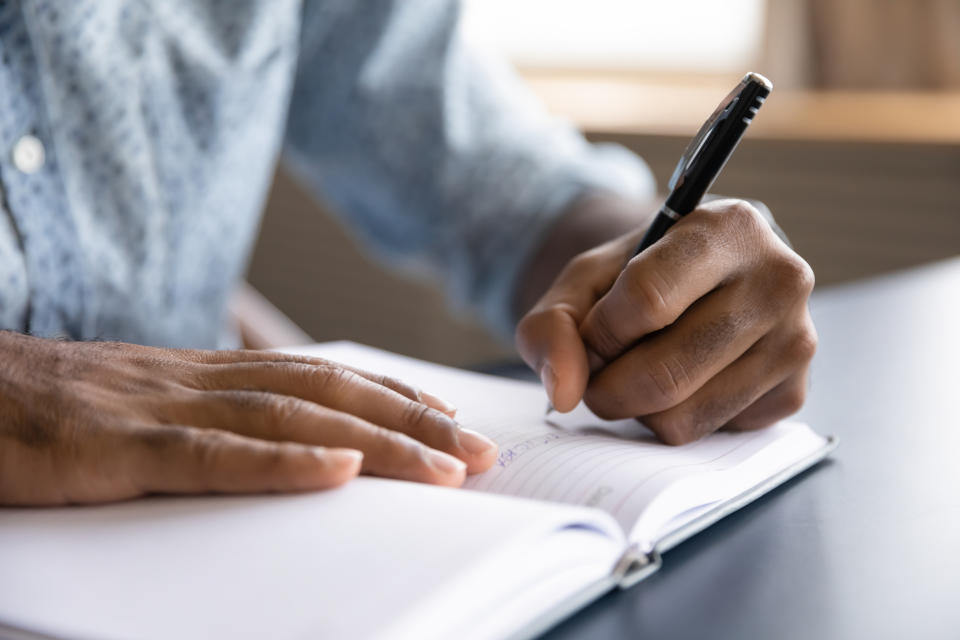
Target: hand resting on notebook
[
  {"x": 708, "y": 328},
  {"x": 94, "y": 422}
]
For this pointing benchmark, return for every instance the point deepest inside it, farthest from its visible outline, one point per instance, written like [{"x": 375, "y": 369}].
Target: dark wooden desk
[{"x": 866, "y": 545}]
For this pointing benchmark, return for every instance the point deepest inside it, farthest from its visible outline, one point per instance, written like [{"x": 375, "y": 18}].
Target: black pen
[{"x": 706, "y": 155}]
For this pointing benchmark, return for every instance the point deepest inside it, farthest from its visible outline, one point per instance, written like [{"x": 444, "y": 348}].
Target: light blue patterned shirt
[{"x": 138, "y": 139}]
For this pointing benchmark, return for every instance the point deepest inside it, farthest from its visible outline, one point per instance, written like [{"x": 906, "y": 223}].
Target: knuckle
[
  {"x": 793, "y": 398},
  {"x": 741, "y": 215},
  {"x": 546, "y": 318},
  {"x": 147, "y": 383},
  {"x": 581, "y": 264},
  {"x": 803, "y": 345},
  {"x": 295, "y": 373},
  {"x": 206, "y": 448},
  {"x": 526, "y": 329},
  {"x": 334, "y": 378},
  {"x": 666, "y": 383},
  {"x": 712, "y": 412},
  {"x": 199, "y": 377},
  {"x": 604, "y": 405},
  {"x": 202, "y": 445},
  {"x": 602, "y": 337},
  {"x": 283, "y": 411},
  {"x": 390, "y": 445},
  {"x": 242, "y": 399},
  {"x": 273, "y": 461},
  {"x": 417, "y": 417},
  {"x": 673, "y": 428},
  {"x": 400, "y": 387},
  {"x": 793, "y": 276},
  {"x": 610, "y": 398},
  {"x": 655, "y": 388},
  {"x": 590, "y": 265},
  {"x": 649, "y": 296},
  {"x": 738, "y": 223},
  {"x": 163, "y": 440}
]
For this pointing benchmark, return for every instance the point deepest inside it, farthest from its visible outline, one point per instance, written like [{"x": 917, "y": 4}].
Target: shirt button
[{"x": 29, "y": 154}]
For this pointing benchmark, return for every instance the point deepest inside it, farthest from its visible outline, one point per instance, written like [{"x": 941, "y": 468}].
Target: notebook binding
[{"x": 635, "y": 565}]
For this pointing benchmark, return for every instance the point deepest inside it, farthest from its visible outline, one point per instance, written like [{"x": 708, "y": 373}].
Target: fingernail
[
  {"x": 341, "y": 457},
  {"x": 445, "y": 463},
  {"x": 473, "y": 442},
  {"x": 549, "y": 379},
  {"x": 437, "y": 403}
]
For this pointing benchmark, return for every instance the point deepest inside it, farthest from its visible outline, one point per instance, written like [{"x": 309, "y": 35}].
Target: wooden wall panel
[{"x": 852, "y": 208}]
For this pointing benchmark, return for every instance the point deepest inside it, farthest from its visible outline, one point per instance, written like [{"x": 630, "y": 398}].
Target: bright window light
[{"x": 677, "y": 35}]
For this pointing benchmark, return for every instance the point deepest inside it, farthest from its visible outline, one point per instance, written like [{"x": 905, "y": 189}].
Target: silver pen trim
[{"x": 670, "y": 213}]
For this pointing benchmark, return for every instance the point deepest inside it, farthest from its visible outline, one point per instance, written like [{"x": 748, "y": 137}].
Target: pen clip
[{"x": 691, "y": 153}]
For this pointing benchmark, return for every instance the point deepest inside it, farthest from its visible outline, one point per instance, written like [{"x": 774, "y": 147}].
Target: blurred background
[{"x": 857, "y": 152}]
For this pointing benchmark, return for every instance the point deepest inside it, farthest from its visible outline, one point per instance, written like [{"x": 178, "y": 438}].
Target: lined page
[
  {"x": 576, "y": 458},
  {"x": 578, "y": 464}
]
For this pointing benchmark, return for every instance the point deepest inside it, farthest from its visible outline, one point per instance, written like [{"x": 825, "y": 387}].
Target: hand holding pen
[{"x": 701, "y": 328}]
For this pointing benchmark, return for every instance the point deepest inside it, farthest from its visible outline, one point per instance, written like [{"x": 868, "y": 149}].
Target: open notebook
[{"x": 572, "y": 508}]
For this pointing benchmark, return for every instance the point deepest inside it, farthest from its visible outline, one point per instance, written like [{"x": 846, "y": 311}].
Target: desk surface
[{"x": 863, "y": 546}]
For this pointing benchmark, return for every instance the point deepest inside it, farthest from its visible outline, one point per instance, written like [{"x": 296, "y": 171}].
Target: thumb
[
  {"x": 548, "y": 337},
  {"x": 549, "y": 341}
]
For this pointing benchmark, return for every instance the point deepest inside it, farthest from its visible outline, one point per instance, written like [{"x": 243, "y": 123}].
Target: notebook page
[
  {"x": 582, "y": 465},
  {"x": 618, "y": 467},
  {"x": 345, "y": 563}
]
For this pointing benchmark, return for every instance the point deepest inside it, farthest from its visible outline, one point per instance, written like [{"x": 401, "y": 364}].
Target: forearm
[{"x": 588, "y": 221}]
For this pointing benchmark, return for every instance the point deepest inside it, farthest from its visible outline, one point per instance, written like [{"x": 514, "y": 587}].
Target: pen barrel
[
  {"x": 708, "y": 153},
  {"x": 683, "y": 201},
  {"x": 655, "y": 231},
  {"x": 711, "y": 156}
]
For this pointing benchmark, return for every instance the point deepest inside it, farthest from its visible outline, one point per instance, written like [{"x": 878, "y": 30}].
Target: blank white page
[
  {"x": 363, "y": 561},
  {"x": 576, "y": 458}
]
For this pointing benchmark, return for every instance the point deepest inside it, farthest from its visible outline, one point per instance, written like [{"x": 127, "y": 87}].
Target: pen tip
[{"x": 549, "y": 408}]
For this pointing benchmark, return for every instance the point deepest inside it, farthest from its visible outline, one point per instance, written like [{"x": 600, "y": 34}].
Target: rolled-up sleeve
[{"x": 434, "y": 154}]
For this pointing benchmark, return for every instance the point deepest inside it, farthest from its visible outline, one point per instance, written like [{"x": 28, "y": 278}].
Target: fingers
[
  {"x": 548, "y": 337},
  {"x": 706, "y": 328},
  {"x": 766, "y": 384},
  {"x": 345, "y": 391},
  {"x": 273, "y": 417},
  {"x": 250, "y": 356},
  {"x": 780, "y": 402},
  {"x": 319, "y": 402},
  {"x": 182, "y": 459},
  {"x": 666, "y": 369},
  {"x": 699, "y": 253}
]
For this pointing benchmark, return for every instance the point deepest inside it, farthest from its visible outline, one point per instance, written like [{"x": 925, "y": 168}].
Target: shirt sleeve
[{"x": 435, "y": 154}]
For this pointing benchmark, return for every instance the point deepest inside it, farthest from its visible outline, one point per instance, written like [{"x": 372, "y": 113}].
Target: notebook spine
[{"x": 636, "y": 564}]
